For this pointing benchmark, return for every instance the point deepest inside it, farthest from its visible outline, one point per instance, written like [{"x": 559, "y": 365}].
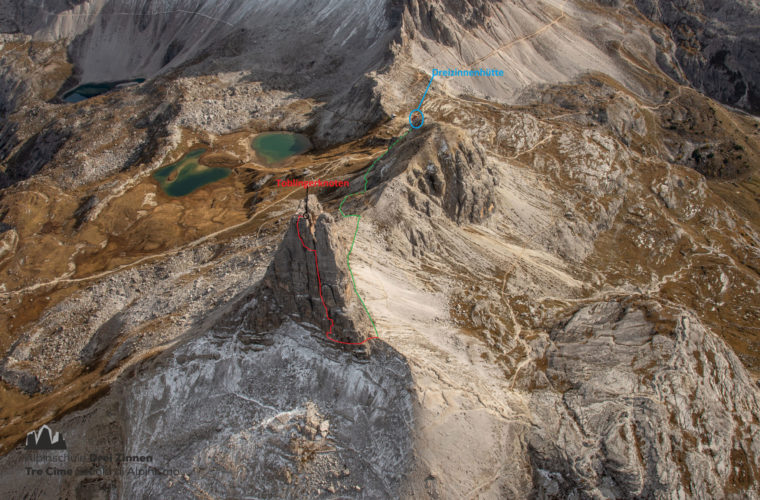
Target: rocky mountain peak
[{"x": 308, "y": 280}]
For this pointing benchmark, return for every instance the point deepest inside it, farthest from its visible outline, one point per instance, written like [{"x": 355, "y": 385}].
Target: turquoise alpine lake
[
  {"x": 187, "y": 175},
  {"x": 274, "y": 147},
  {"x": 88, "y": 90}
]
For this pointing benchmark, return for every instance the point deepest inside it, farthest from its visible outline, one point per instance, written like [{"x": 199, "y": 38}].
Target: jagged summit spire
[{"x": 308, "y": 282}]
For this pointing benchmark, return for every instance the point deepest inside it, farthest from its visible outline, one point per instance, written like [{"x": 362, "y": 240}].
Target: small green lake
[
  {"x": 88, "y": 90},
  {"x": 274, "y": 147},
  {"x": 187, "y": 175}
]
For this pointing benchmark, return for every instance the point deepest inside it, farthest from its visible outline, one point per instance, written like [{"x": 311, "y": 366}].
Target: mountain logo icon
[{"x": 44, "y": 439}]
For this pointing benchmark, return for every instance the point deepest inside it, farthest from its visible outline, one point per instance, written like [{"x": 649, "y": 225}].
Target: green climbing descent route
[
  {"x": 416, "y": 120},
  {"x": 359, "y": 219}
]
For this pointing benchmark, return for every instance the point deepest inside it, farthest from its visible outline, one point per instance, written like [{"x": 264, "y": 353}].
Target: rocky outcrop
[
  {"x": 308, "y": 282},
  {"x": 463, "y": 180},
  {"x": 445, "y": 170},
  {"x": 637, "y": 406}
]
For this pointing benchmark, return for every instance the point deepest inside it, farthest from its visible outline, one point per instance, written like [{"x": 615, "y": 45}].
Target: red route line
[{"x": 319, "y": 281}]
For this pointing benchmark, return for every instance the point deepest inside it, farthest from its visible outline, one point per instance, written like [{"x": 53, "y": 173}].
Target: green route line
[{"x": 359, "y": 219}]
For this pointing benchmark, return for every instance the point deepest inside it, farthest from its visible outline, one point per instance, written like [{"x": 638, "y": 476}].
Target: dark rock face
[
  {"x": 717, "y": 46},
  {"x": 8, "y": 139},
  {"x": 11, "y": 87},
  {"x": 84, "y": 209},
  {"x": 102, "y": 340},
  {"x": 351, "y": 114},
  {"x": 292, "y": 288},
  {"x": 33, "y": 155},
  {"x": 25, "y": 382},
  {"x": 7, "y": 24}
]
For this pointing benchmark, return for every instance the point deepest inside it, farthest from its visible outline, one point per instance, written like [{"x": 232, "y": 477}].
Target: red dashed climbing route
[{"x": 329, "y": 332}]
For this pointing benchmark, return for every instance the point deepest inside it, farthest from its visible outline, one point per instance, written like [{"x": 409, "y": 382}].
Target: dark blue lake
[{"x": 88, "y": 90}]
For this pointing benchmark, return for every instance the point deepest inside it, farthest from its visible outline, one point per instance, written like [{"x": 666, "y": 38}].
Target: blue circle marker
[{"x": 411, "y": 123}]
